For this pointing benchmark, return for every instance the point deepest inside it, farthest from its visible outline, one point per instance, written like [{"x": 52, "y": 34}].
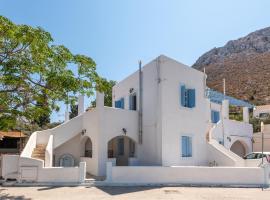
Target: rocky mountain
[{"x": 244, "y": 63}]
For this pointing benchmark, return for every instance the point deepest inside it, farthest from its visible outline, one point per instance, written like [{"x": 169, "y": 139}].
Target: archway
[
  {"x": 121, "y": 148},
  {"x": 239, "y": 148},
  {"x": 86, "y": 147},
  {"x": 67, "y": 160}
]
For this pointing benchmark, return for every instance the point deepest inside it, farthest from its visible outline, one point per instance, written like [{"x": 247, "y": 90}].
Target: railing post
[
  {"x": 82, "y": 172},
  {"x": 109, "y": 171}
]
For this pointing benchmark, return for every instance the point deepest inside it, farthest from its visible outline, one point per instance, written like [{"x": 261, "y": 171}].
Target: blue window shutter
[
  {"x": 217, "y": 116},
  {"x": 189, "y": 146},
  {"x": 191, "y": 98},
  {"x": 116, "y": 104},
  {"x": 122, "y": 103},
  {"x": 214, "y": 116},
  {"x": 186, "y": 146},
  {"x": 130, "y": 102},
  {"x": 182, "y": 95}
]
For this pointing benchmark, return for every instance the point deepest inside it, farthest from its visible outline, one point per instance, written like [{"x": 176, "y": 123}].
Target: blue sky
[{"x": 117, "y": 33}]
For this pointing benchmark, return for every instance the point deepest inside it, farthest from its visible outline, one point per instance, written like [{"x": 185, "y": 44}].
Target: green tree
[
  {"x": 107, "y": 89},
  {"x": 73, "y": 111},
  {"x": 35, "y": 74}
]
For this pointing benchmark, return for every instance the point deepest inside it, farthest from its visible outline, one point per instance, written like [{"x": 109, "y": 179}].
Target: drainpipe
[{"x": 141, "y": 103}]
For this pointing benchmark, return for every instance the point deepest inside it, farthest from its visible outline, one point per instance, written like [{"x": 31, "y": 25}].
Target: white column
[
  {"x": 245, "y": 115},
  {"x": 99, "y": 99},
  {"x": 225, "y": 109},
  {"x": 66, "y": 113},
  {"x": 80, "y": 104},
  {"x": 82, "y": 172}
]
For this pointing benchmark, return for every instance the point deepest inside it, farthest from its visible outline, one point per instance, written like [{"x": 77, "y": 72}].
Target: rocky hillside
[{"x": 244, "y": 63}]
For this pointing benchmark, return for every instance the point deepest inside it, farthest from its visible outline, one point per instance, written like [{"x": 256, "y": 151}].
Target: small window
[
  {"x": 251, "y": 156},
  {"x": 263, "y": 115},
  {"x": 214, "y": 116},
  {"x": 120, "y": 103},
  {"x": 186, "y": 146},
  {"x": 187, "y": 97},
  {"x": 133, "y": 102}
]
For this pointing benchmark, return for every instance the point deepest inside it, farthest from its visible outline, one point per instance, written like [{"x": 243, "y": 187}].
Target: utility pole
[{"x": 262, "y": 131}]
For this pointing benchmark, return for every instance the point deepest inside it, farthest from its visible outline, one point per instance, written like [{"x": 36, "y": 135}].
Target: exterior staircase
[{"x": 39, "y": 152}]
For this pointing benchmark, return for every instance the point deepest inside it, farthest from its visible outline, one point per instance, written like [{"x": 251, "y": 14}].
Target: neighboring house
[
  {"x": 257, "y": 140},
  {"x": 237, "y": 135},
  {"x": 12, "y": 142},
  {"x": 170, "y": 124},
  {"x": 261, "y": 111}
]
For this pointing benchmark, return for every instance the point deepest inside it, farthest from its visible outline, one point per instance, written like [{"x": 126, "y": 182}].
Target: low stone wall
[
  {"x": 32, "y": 170},
  {"x": 194, "y": 175}
]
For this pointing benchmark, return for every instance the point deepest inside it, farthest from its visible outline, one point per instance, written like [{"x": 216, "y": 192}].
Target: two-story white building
[{"x": 172, "y": 123}]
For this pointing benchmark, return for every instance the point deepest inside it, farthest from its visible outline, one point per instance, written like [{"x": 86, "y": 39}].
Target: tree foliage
[
  {"x": 73, "y": 111},
  {"x": 35, "y": 73}
]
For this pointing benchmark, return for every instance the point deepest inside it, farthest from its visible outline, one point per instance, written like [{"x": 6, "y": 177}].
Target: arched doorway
[
  {"x": 67, "y": 160},
  {"x": 238, "y": 148},
  {"x": 86, "y": 147},
  {"x": 121, "y": 148}
]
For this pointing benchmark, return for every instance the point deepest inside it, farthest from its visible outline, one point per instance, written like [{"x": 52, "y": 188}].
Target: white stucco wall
[
  {"x": 112, "y": 121},
  {"x": 178, "y": 120},
  {"x": 71, "y": 147},
  {"x": 164, "y": 120},
  {"x": 233, "y": 131},
  {"x": 49, "y": 153},
  {"x": 190, "y": 175},
  {"x": 257, "y": 145},
  {"x": 149, "y": 153}
]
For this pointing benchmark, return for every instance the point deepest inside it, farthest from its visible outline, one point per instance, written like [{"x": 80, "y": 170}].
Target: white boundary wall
[
  {"x": 246, "y": 176},
  {"x": 32, "y": 170}
]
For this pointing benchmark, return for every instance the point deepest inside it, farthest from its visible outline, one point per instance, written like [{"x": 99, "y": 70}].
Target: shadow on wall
[
  {"x": 4, "y": 195},
  {"x": 124, "y": 190}
]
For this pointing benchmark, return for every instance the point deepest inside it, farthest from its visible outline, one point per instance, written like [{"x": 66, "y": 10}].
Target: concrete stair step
[{"x": 39, "y": 151}]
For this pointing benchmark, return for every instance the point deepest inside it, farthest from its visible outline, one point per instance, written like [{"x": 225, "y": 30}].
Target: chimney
[
  {"x": 245, "y": 114},
  {"x": 99, "y": 99},
  {"x": 80, "y": 104},
  {"x": 225, "y": 109}
]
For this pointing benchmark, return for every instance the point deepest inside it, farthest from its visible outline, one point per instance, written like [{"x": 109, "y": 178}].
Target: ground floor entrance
[{"x": 121, "y": 148}]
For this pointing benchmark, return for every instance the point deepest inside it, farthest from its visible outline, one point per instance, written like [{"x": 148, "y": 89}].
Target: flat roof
[
  {"x": 218, "y": 97},
  {"x": 12, "y": 134}
]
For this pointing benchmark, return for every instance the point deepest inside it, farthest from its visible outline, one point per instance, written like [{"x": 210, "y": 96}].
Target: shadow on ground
[
  {"x": 53, "y": 187},
  {"x": 7, "y": 196},
  {"x": 124, "y": 190}
]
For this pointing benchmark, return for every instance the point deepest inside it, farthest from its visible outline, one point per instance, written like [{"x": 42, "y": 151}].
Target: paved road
[{"x": 138, "y": 193}]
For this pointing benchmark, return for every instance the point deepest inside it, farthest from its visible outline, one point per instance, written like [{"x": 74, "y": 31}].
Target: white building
[
  {"x": 261, "y": 111},
  {"x": 176, "y": 130}
]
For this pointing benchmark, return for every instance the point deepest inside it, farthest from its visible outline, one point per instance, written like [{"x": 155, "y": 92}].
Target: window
[
  {"x": 186, "y": 146},
  {"x": 133, "y": 102},
  {"x": 214, "y": 116},
  {"x": 251, "y": 156},
  {"x": 187, "y": 97},
  {"x": 120, "y": 103},
  {"x": 263, "y": 115}
]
